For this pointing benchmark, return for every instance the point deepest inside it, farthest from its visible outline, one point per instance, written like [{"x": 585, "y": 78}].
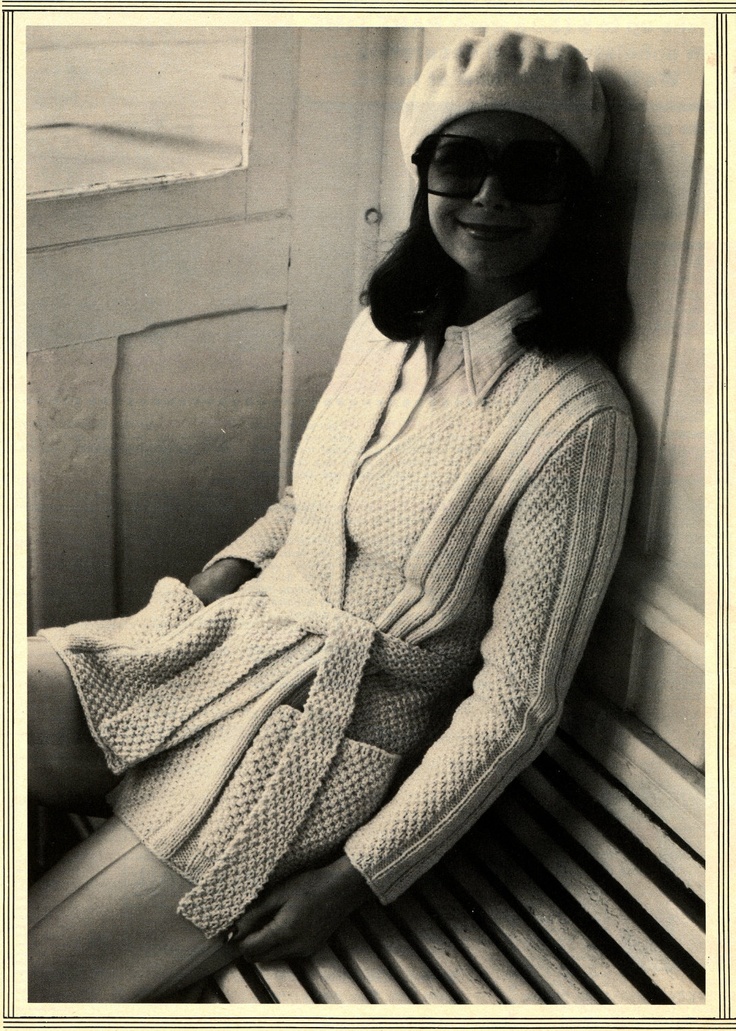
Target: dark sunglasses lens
[
  {"x": 457, "y": 167},
  {"x": 530, "y": 171},
  {"x": 534, "y": 172}
]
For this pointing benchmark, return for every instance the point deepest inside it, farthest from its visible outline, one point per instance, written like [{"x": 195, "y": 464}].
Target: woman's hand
[
  {"x": 298, "y": 915},
  {"x": 223, "y": 577}
]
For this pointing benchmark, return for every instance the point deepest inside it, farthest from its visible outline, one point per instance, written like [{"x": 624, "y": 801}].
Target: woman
[{"x": 340, "y": 693}]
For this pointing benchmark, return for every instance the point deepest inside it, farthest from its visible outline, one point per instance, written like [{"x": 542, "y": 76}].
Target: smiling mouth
[{"x": 480, "y": 231}]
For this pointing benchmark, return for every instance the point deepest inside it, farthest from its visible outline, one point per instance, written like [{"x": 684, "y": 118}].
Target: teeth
[{"x": 491, "y": 232}]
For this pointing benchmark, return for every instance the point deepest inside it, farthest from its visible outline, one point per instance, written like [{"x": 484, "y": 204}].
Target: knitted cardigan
[{"x": 373, "y": 608}]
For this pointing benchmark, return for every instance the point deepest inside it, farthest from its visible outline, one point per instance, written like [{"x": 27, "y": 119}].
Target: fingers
[
  {"x": 254, "y": 917},
  {"x": 278, "y": 939},
  {"x": 268, "y": 943},
  {"x": 291, "y": 919},
  {"x": 275, "y": 930}
]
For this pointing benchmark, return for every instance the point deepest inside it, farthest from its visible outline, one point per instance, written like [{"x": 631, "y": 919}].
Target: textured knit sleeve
[
  {"x": 563, "y": 540},
  {"x": 264, "y": 538}
]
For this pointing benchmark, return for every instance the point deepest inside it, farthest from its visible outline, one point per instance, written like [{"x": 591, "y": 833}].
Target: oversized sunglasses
[{"x": 529, "y": 171}]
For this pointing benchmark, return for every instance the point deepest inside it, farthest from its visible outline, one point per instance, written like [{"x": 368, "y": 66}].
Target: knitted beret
[{"x": 509, "y": 71}]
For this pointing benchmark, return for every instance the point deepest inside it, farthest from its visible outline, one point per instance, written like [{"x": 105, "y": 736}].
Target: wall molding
[{"x": 642, "y": 591}]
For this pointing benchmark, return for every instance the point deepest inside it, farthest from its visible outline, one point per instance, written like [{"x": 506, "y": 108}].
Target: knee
[
  {"x": 47, "y": 674},
  {"x": 66, "y": 767},
  {"x": 51, "y": 692}
]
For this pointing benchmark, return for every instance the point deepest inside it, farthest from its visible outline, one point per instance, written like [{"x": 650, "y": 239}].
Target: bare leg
[
  {"x": 104, "y": 927},
  {"x": 66, "y": 767}
]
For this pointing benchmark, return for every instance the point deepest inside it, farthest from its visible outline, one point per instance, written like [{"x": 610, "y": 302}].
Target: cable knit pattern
[{"x": 503, "y": 510}]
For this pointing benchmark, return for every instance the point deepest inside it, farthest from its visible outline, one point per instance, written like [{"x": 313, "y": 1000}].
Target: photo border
[{"x": 718, "y": 25}]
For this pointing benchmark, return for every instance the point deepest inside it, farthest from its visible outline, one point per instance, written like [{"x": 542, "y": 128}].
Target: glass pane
[{"x": 109, "y": 105}]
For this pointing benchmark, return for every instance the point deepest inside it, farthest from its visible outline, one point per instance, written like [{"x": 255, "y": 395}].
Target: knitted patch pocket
[
  {"x": 356, "y": 784},
  {"x": 353, "y": 789}
]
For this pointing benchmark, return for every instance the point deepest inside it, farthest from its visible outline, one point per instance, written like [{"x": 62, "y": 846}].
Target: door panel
[
  {"x": 273, "y": 114},
  {"x": 191, "y": 476},
  {"x": 93, "y": 290},
  {"x": 70, "y": 480},
  {"x": 336, "y": 181},
  {"x": 64, "y": 220}
]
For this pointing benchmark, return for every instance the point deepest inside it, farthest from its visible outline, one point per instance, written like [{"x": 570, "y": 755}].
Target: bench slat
[
  {"x": 636, "y": 820},
  {"x": 329, "y": 979},
  {"x": 234, "y": 986},
  {"x": 641, "y": 888},
  {"x": 649, "y": 768},
  {"x": 282, "y": 982},
  {"x": 439, "y": 950},
  {"x": 600, "y": 906},
  {"x": 399, "y": 956},
  {"x": 371, "y": 973},
  {"x": 531, "y": 955},
  {"x": 500, "y": 973},
  {"x": 557, "y": 926}
]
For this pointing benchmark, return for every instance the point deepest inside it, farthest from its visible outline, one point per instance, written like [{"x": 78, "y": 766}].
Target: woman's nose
[{"x": 490, "y": 193}]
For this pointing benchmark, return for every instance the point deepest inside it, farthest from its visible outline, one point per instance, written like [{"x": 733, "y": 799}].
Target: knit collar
[{"x": 489, "y": 345}]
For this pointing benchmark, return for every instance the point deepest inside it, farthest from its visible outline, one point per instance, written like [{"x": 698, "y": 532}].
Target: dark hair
[{"x": 580, "y": 281}]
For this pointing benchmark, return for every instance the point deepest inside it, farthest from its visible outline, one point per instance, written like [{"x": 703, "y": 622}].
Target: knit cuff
[
  {"x": 380, "y": 885},
  {"x": 265, "y": 537}
]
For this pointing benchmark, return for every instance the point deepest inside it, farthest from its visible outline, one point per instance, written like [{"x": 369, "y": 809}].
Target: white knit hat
[{"x": 509, "y": 71}]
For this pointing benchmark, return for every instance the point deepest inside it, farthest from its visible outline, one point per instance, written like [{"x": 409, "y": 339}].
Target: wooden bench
[{"x": 583, "y": 884}]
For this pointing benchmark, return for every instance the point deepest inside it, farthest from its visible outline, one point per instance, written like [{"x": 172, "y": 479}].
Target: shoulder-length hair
[{"x": 580, "y": 281}]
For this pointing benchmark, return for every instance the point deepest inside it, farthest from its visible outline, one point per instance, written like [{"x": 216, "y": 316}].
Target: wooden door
[{"x": 179, "y": 332}]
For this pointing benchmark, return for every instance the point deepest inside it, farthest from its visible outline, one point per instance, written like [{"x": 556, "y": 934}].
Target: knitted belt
[{"x": 274, "y": 822}]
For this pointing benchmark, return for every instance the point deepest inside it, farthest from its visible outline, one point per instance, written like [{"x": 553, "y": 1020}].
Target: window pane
[{"x": 119, "y": 104}]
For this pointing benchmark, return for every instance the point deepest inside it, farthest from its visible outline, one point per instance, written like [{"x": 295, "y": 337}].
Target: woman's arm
[
  {"x": 265, "y": 537},
  {"x": 562, "y": 544},
  {"x": 245, "y": 557},
  {"x": 221, "y": 577}
]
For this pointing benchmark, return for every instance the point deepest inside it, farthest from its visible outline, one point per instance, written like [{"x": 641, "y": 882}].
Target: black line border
[{"x": 12, "y": 481}]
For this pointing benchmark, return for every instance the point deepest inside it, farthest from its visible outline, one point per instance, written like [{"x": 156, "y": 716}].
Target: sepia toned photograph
[{"x": 366, "y": 516}]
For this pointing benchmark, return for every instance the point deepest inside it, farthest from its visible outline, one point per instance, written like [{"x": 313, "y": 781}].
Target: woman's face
[{"x": 489, "y": 236}]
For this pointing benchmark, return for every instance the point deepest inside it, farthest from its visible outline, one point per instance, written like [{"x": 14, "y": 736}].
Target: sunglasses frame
[{"x": 424, "y": 155}]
